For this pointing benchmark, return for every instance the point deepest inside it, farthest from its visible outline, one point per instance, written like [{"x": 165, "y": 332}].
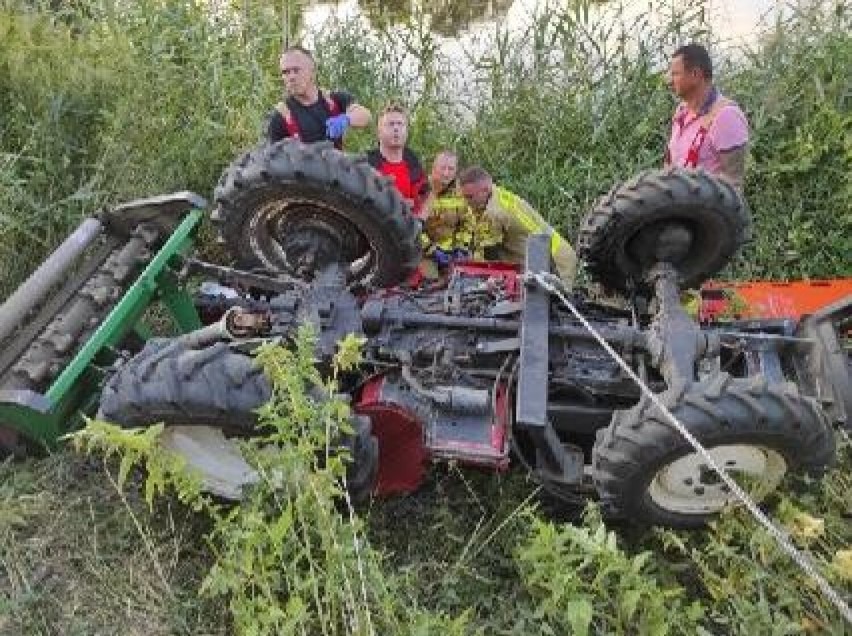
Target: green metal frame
[{"x": 45, "y": 418}]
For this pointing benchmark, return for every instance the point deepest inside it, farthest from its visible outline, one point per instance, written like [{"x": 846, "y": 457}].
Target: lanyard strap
[
  {"x": 691, "y": 160},
  {"x": 711, "y": 107}
]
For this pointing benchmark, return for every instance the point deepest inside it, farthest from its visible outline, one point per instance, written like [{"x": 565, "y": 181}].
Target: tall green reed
[{"x": 107, "y": 100}]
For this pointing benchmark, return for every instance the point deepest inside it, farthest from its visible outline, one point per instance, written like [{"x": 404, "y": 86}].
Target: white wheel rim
[
  {"x": 217, "y": 461},
  {"x": 689, "y": 486}
]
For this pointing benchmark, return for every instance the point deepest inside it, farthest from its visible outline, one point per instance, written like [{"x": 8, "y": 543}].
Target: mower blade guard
[{"x": 85, "y": 297}]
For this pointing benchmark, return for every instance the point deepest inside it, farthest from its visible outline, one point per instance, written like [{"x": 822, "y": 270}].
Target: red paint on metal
[
  {"x": 402, "y": 456},
  {"x": 505, "y": 272},
  {"x": 492, "y": 454}
]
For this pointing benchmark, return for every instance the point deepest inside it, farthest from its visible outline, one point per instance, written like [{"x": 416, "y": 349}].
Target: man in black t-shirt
[{"x": 309, "y": 114}]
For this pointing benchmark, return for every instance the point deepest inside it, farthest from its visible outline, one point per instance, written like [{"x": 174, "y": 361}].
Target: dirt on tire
[
  {"x": 719, "y": 410},
  {"x": 277, "y": 192},
  {"x": 617, "y": 240}
]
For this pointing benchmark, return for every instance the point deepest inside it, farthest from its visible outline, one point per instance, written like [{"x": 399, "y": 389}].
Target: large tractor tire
[
  {"x": 293, "y": 207},
  {"x": 630, "y": 229},
  {"x": 214, "y": 387},
  {"x": 645, "y": 472}
]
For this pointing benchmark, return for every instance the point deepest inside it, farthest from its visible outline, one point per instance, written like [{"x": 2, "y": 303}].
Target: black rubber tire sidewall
[
  {"x": 711, "y": 207},
  {"x": 336, "y": 182},
  {"x": 639, "y": 442}
]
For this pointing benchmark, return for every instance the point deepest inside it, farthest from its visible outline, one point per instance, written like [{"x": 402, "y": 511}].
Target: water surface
[{"x": 463, "y": 36}]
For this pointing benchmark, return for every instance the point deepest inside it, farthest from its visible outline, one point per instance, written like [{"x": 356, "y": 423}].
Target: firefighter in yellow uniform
[
  {"x": 498, "y": 223},
  {"x": 445, "y": 210}
]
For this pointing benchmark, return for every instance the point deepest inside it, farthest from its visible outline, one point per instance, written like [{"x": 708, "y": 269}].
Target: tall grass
[
  {"x": 107, "y": 100},
  {"x": 117, "y": 101}
]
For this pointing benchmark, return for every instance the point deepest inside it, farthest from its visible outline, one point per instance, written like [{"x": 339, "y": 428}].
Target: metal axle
[{"x": 674, "y": 340}]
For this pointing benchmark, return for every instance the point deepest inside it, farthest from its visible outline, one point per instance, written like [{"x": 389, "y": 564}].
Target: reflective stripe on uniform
[
  {"x": 447, "y": 201},
  {"x": 447, "y": 205},
  {"x": 512, "y": 204},
  {"x": 555, "y": 242}
]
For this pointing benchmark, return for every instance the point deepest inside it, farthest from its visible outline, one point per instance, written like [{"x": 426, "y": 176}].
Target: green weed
[
  {"x": 107, "y": 101},
  {"x": 104, "y": 101}
]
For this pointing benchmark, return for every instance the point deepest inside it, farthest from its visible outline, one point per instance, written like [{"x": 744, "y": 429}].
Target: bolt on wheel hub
[{"x": 689, "y": 485}]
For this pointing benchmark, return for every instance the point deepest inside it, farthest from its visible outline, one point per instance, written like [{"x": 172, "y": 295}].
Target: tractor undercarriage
[{"x": 487, "y": 367}]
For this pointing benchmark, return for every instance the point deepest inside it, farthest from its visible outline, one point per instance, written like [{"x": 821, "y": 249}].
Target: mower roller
[
  {"x": 485, "y": 367},
  {"x": 70, "y": 318}
]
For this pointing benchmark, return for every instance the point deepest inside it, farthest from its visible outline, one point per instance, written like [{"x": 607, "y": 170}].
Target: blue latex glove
[
  {"x": 335, "y": 126},
  {"x": 441, "y": 258},
  {"x": 444, "y": 257},
  {"x": 460, "y": 254}
]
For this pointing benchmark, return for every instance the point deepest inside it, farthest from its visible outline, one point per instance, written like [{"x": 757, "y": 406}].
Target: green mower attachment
[{"x": 58, "y": 330}]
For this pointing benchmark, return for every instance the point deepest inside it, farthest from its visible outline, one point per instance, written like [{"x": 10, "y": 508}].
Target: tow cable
[{"x": 553, "y": 285}]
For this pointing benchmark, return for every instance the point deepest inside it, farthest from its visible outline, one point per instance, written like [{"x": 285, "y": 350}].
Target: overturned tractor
[{"x": 489, "y": 368}]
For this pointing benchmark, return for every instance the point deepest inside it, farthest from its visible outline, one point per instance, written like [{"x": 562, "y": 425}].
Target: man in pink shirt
[{"x": 709, "y": 130}]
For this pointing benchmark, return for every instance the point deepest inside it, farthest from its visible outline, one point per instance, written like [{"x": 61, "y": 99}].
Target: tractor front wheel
[
  {"x": 646, "y": 472},
  {"x": 688, "y": 218}
]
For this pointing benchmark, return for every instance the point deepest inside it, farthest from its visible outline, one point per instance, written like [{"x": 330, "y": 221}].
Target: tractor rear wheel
[
  {"x": 295, "y": 208},
  {"x": 215, "y": 387},
  {"x": 646, "y": 472}
]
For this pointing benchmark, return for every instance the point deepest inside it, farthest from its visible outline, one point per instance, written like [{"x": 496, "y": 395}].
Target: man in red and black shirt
[
  {"x": 394, "y": 158},
  {"x": 309, "y": 114}
]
